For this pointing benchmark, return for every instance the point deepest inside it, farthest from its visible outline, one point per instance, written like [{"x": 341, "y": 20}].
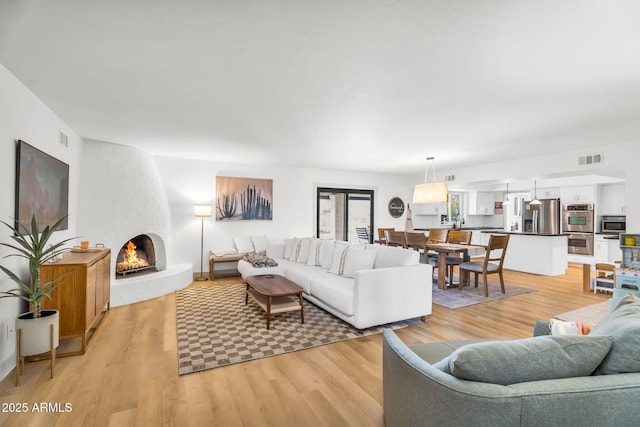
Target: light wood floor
[{"x": 129, "y": 375}]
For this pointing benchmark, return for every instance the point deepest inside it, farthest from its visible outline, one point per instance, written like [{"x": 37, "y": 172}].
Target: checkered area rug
[{"x": 215, "y": 328}]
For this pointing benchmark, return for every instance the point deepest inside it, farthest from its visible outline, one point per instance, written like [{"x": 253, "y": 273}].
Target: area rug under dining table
[
  {"x": 469, "y": 295},
  {"x": 215, "y": 328}
]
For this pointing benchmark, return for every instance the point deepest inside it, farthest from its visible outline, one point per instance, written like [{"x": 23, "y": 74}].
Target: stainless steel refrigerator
[{"x": 543, "y": 218}]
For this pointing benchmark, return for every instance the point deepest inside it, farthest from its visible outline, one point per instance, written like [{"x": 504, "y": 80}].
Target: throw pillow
[
  {"x": 337, "y": 263},
  {"x": 623, "y": 324},
  {"x": 326, "y": 253},
  {"x": 530, "y": 359},
  {"x": 260, "y": 261},
  {"x": 295, "y": 249},
  {"x": 314, "y": 252},
  {"x": 303, "y": 252},
  {"x": 561, "y": 327},
  {"x": 358, "y": 259},
  {"x": 288, "y": 247},
  {"x": 260, "y": 243},
  {"x": 243, "y": 244}
]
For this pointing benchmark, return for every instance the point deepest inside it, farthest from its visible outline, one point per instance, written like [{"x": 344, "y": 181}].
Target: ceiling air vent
[
  {"x": 591, "y": 159},
  {"x": 64, "y": 139},
  {"x": 449, "y": 178}
]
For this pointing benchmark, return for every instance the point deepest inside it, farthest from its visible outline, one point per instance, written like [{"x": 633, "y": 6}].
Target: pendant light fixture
[
  {"x": 430, "y": 192},
  {"x": 507, "y": 202},
  {"x": 535, "y": 200}
]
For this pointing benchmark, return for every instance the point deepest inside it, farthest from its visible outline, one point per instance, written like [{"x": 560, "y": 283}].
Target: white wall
[
  {"x": 23, "y": 116},
  {"x": 188, "y": 182}
]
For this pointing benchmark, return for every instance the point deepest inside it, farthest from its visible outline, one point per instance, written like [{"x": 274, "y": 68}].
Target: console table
[{"x": 83, "y": 297}]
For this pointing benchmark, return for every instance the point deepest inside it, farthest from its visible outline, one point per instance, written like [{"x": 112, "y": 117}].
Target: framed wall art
[
  {"x": 42, "y": 187},
  {"x": 243, "y": 199}
]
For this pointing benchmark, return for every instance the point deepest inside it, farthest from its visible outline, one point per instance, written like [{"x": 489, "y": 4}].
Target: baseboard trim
[{"x": 7, "y": 365}]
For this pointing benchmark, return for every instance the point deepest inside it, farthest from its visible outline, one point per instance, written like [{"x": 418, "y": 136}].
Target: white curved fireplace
[{"x": 121, "y": 196}]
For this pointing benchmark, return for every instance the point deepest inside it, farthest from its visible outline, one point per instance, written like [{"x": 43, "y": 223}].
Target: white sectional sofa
[{"x": 364, "y": 285}]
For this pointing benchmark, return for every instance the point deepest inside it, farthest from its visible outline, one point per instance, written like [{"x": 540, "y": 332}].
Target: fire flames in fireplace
[
  {"x": 131, "y": 260},
  {"x": 137, "y": 256}
]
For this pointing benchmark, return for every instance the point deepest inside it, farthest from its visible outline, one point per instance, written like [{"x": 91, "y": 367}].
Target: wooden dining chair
[
  {"x": 458, "y": 237},
  {"x": 394, "y": 238},
  {"x": 492, "y": 263},
  {"x": 436, "y": 235},
  {"x": 381, "y": 238},
  {"x": 416, "y": 241}
]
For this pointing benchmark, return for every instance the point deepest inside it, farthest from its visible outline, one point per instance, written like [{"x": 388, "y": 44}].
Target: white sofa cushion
[
  {"x": 356, "y": 259},
  {"x": 276, "y": 251},
  {"x": 288, "y": 247},
  {"x": 337, "y": 263},
  {"x": 303, "y": 251},
  {"x": 314, "y": 252},
  {"x": 246, "y": 269},
  {"x": 295, "y": 249},
  {"x": 326, "y": 253},
  {"x": 390, "y": 256},
  {"x": 303, "y": 274},
  {"x": 260, "y": 243},
  {"x": 335, "y": 291},
  {"x": 243, "y": 244}
]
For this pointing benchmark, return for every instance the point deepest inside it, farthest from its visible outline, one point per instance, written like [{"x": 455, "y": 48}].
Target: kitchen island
[{"x": 536, "y": 253}]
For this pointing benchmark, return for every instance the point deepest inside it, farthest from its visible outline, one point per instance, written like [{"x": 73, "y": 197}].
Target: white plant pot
[{"x": 35, "y": 333}]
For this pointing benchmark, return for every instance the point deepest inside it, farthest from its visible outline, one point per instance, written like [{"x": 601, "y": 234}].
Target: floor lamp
[{"x": 201, "y": 211}]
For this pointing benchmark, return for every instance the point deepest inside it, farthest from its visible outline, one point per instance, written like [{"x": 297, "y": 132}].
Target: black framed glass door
[{"x": 341, "y": 210}]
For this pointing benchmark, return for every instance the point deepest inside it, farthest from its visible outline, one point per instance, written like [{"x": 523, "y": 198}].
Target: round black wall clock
[{"x": 396, "y": 207}]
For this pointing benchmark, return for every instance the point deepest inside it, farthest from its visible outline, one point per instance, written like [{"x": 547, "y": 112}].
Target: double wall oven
[{"x": 577, "y": 224}]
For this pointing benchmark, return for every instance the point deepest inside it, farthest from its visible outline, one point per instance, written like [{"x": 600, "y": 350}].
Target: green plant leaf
[{"x": 34, "y": 247}]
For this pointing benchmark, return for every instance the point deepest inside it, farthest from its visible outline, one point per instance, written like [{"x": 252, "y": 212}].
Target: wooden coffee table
[{"x": 273, "y": 293}]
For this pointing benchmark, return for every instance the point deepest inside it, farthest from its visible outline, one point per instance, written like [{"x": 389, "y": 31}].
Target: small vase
[{"x": 35, "y": 333}]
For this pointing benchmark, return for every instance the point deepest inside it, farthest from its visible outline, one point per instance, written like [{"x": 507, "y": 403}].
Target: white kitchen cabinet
[
  {"x": 429, "y": 208},
  {"x": 615, "y": 253},
  {"x": 612, "y": 199},
  {"x": 606, "y": 250},
  {"x": 578, "y": 194},
  {"x": 549, "y": 193},
  {"x": 546, "y": 255},
  {"x": 600, "y": 248},
  {"x": 480, "y": 203}
]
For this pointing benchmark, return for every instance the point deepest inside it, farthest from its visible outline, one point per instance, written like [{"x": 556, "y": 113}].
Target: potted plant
[{"x": 35, "y": 247}]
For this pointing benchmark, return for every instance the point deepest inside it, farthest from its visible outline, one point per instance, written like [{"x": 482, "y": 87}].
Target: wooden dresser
[{"x": 83, "y": 297}]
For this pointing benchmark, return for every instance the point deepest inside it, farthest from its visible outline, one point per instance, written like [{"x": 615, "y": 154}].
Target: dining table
[{"x": 444, "y": 249}]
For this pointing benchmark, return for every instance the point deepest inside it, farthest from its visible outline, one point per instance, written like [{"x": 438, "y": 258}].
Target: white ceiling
[{"x": 364, "y": 85}]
